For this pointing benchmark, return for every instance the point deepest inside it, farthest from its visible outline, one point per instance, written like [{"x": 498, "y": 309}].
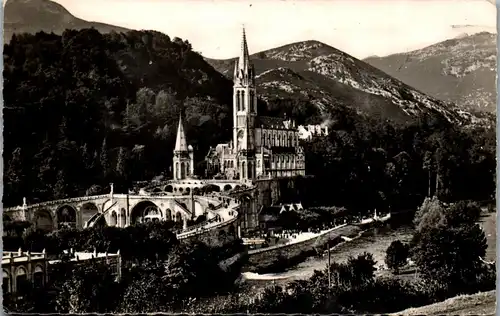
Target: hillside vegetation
[{"x": 90, "y": 109}]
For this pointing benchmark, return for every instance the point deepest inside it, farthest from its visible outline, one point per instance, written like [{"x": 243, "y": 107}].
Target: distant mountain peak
[
  {"x": 32, "y": 16},
  {"x": 461, "y": 70}
]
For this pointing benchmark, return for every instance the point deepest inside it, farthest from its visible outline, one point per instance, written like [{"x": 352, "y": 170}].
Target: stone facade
[
  {"x": 261, "y": 146},
  {"x": 22, "y": 270}
]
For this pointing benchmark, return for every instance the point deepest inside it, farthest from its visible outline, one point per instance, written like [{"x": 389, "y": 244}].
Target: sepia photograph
[{"x": 243, "y": 157}]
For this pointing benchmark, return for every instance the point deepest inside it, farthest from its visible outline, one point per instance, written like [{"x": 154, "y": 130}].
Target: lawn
[
  {"x": 488, "y": 222},
  {"x": 476, "y": 304}
]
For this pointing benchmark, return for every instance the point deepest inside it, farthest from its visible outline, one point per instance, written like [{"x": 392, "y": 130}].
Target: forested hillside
[{"x": 85, "y": 109}]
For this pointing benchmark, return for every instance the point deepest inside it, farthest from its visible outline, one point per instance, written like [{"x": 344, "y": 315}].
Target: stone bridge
[
  {"x": 122, "y": 210},
  {"x": 186, "y": 186}
]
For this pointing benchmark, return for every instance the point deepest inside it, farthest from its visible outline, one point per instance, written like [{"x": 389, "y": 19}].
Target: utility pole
[{"x": 329, "y": 273}]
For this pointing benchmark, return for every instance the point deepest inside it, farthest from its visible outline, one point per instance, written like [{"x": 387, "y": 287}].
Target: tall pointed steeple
[
  {"x": 180, "y": 142},
  {"x": 183, "y": 160},
  {"x": 244, "y": 59},
  {"x": 243, "y": 69}
]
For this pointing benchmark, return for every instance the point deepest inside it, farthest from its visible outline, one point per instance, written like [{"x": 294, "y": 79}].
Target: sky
[{"x": 361, "y": 28}]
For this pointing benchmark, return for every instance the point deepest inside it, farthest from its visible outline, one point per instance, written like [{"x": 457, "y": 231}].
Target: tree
[
  {"x": 429, "y": 206},
  {"x": 61, "y": 188},
  {"x": 396, "y": 255},
  {"x": 87, "y": 159},
  {"x": 14, "y": 175},
  {"x": 104, "y": 159},
  {"x": 122, "y": 164},
  {"x": 451, "y": 257},
  {"x": 88, "y": 287},
  {"x": 147, "y": 291}
]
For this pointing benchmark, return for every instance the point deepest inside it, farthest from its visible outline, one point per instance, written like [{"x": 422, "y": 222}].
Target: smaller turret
[{"x": 183, "y": 161}]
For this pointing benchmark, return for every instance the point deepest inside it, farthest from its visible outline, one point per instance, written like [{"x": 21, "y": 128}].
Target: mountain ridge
[
  {"x": 32, "y": 16},
  {"x": 334, "y": 72},
  {"x": 459, "y": 70}
]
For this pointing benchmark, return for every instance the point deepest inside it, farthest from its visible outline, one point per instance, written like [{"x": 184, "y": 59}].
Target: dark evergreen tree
[
  {"x": 104, "y": 160},
  {"x": 396, "y": 255}
]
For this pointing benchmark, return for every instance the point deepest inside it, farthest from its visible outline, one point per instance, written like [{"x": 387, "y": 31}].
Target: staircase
[
  {"x": 96, "y": 217},
  {"x": 179, "y": 204},
  {"x": 206, "y": 208}
]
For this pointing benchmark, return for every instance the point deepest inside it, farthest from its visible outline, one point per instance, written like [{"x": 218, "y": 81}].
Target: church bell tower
[
  {"x": 244, "y": 113},
  {"x": 183, "y": 160}
]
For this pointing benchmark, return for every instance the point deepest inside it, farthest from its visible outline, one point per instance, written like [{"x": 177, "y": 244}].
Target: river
[{"x": 374, "y": 241}]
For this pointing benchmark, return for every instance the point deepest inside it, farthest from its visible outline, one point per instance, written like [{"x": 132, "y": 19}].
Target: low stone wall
[{"x": 264, "y": 259}]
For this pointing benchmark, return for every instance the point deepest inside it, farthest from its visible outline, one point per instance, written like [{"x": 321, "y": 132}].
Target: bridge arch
[
  {"x": 227, "y": 187},
  {"x": 157, "y": 190},
  {"x": 6, "y": 281},
  {"x": 43, "y": 220},
  {"x": 178, "y": 217},
  {"x": 66, "y": 216},
  {"x": 123, "y": 218},
  {"x": 113, "y": 219},
  {"x": 168, "y": 214},
  {"x": 231, "y": 231},
  {"x": 142, "y": 209},
  {"x": 6, "y": 218},
  {"x": 168, "y": 188},
  {"x": 88, "y": 210}
]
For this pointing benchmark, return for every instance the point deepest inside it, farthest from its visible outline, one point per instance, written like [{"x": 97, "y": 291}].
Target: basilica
[{"x": 262, "y": 146}]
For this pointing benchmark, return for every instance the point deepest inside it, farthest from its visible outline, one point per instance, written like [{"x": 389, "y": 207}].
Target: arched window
[
  {"x": 114, "y": 219},
  {"x": 238, "y": 101},
  {"x": 183, "y": 171},
  {"x": 123, "y": 218},
  {"x": 187, "y": 169},
  {"x": 251, "y": 101},
  {"x": 22, "y": 283},
  {"x": 38, "y": 278},
  {"x": 178, "y": 217},
  {"x": 243, "y": 101},
  {"x": 6, "y": 282},
  {"x": 250, "y": 170},
  {"x": 177, "y": 173}
]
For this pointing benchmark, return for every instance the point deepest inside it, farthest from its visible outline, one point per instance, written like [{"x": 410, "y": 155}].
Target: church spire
[
  {"x": 180, "y": 142},
  {"x": 243, "y": 70},
  {"x": 244, "y": 59}
]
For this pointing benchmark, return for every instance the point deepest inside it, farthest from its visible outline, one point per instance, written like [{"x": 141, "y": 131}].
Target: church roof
[
  {"x": 271, "y": 122},
  {"x": 180, "y": 142}
]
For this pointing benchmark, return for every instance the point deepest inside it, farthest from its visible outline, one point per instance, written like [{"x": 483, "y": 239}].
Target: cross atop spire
[{"x": 180, "y": 142}]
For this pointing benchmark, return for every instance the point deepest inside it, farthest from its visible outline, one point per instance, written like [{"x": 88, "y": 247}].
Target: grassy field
[
  {"x": 488, "y": 222},
  {"x": 476, "y": 304}
]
